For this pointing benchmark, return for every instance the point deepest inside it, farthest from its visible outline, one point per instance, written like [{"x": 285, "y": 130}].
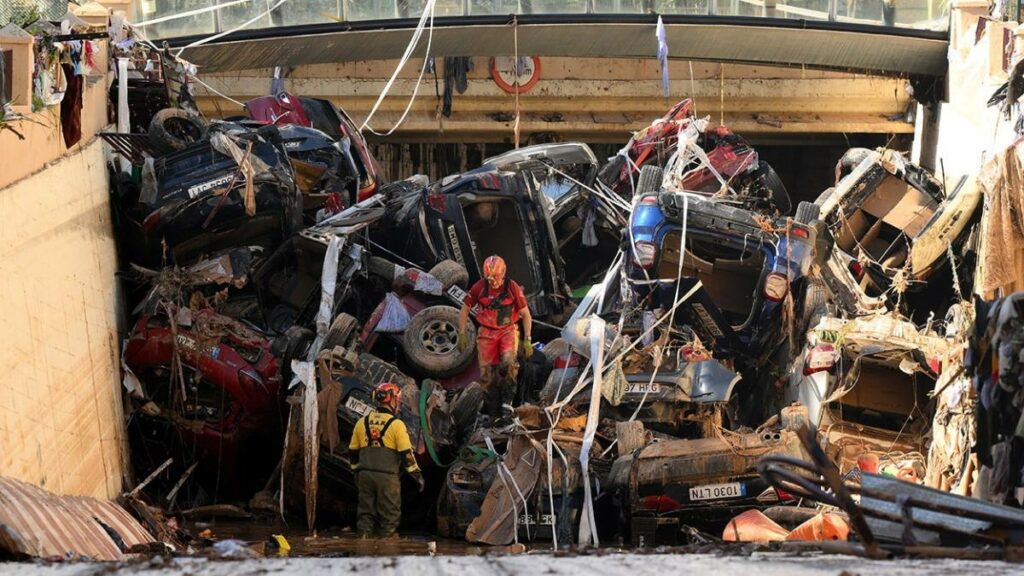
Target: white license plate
[
  {"x": 456, "y": 293},
  {"x": 358, "y": 406},
  {"x": 718, "y": 491},
  {"x": 642, "y": 388},
  {"x": 545, "y": 519}
]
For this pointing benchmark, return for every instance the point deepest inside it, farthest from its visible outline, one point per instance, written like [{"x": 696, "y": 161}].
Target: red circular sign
[{"x": 512, "y": 80}]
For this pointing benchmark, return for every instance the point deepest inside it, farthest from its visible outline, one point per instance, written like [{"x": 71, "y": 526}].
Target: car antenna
[{"x": 945, "y": 189}]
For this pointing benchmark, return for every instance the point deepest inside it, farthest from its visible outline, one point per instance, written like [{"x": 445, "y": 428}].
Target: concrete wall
[
  {"x": 591, "y": 99},
  {"x": 60, "y": 401}
]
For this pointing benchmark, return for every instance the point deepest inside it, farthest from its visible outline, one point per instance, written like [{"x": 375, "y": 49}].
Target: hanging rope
[
  {"x": 428, "y": 14},
  {"x": 515, "y": 46}
]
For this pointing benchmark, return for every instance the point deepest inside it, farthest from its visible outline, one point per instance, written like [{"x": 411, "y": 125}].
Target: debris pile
[{"x": 278, "y": 279}]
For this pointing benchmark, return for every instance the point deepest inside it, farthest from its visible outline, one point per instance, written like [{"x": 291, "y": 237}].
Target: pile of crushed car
[{"x": 276, "y": 279}]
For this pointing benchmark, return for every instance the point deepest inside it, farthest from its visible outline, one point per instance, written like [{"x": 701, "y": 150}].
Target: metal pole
[{"x": 832, "y": 8}]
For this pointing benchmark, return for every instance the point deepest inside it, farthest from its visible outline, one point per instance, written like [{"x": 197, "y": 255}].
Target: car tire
[
  {"x": 807, "y": 212},
  {"x": 777, "y": 193},
  {"x": 556, "y": 348},
  {"x": 814, "y": 305},
  {"x": 292, "y": 345},
  {"x": 341, "y": 331},
  {"x": 430, "y": 342},
  {"x": 450, "y": 273},
  {"x": 850, "y": 160},
  {"x": 382, "y": 267},
  {"x": 174, "y": 129},
  {"x": 650, "y": 179},
  {"x": 373, "y": 371},
  {"x": 824, "y": 197},
  {"x": 466, "y": 407}
]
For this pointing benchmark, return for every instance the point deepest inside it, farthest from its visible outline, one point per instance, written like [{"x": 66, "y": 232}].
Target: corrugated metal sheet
[
  {"x": 856, "y": 50},
  {"x": 35, "y": 522}
]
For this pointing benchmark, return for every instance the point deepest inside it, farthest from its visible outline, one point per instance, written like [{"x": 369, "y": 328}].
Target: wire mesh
[{"x": 23, "y": 12}]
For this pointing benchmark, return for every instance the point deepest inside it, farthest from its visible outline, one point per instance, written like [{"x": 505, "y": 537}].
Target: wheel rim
[{"x": 440, "y": 337}]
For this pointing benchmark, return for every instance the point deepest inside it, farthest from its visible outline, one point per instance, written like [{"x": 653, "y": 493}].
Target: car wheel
[
  {"x": 466, "y": 407},
  {"x": 849, "y": 161},
  {"x": 650, "y": 179},
  {"x": 814, "y": 305},
  {"x": 175, "y": 129},
  {"x": 556, "y": 349},
  {"x": 777, "y": 193},
  {"x": 382, "y": 267},
  {"x": 824, "y": 197},
  {"x": 292, "y": 345},
  {"x": 431, "y": 342},
  {"x": 341, "y": 331},
  {"x": 450, "y": 273},
  {"x": 807, "y": 212}
]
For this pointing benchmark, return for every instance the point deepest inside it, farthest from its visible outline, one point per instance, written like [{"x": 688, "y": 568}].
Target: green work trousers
[{"x": 380, "y": 503}]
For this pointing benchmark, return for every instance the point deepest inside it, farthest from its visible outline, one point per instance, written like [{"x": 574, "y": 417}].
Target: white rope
[
  {"x": 242, "y": 26},
  {"x": 211, "y": 89},
  {"x": 195, "y": 12},
  {"x": 428, "y": 13}
]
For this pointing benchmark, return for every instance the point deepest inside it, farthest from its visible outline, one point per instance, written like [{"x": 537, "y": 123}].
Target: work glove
[
  {"x": 418, "y": 477},
  {"x": 463, "y": 341},
  {"x": 527, "y": 348}
]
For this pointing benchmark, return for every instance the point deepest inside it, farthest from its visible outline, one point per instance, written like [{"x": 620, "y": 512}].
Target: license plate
[
  {"x": 545, "y": 519},
  {"x": 718, "y": 491},
  {"x": 358, "y": 406},
  {"x": 642, "y": 388},
  {"x": 457, "y": 294}
]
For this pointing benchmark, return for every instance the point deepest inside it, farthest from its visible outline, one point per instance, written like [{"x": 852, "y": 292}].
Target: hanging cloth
[{"x": 71, "y": 106}]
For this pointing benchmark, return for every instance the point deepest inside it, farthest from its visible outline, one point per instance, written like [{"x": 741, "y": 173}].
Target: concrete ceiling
[{"x": 871, "y": 49}]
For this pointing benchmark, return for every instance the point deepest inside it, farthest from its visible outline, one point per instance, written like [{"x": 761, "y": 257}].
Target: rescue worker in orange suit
[
  {"x": 501, "y": 305},
  {"x": 380, "y": 448}
]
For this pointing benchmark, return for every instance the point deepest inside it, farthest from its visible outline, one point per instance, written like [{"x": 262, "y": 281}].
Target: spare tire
[
  {"x": 450, "y": 273},
  {"x": 174, "y": 129},
  {"x": 431, "y": 342}
]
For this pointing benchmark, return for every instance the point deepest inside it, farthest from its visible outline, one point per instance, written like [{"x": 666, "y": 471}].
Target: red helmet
[
  {"x": 387, "y": 394},
  {"x": 494, "y": 267}
]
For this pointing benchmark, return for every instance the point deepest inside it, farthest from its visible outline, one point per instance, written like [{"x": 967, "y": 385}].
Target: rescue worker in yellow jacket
[{"x": 380, "y": 448}]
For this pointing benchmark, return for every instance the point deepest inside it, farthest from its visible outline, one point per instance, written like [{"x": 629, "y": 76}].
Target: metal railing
[
  {"x": 26, "y": 11},
  {"x": 913, "y": 14}
]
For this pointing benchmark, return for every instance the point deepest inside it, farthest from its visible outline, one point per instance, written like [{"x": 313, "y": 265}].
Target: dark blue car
[{"x": 738, "y": 271}]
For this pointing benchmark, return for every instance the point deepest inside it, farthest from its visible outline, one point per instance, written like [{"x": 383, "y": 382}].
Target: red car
[
  {"x": 285, "y": 108},
  {"x": 225, "y": 410},
  {"x": 729, "y": 154}
]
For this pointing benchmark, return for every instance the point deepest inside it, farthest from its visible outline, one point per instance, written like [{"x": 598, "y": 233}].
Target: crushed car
[
  {"x": 466, "y": 218},
  {"x": 727, "y": 161},
  {"x": 896, "y": 226},
  {"x": 706, "y": 481},
  {"x": 867, "y": 383}
]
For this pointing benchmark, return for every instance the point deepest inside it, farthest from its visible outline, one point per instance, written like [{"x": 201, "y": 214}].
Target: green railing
[{"x": 913, "y": 14}]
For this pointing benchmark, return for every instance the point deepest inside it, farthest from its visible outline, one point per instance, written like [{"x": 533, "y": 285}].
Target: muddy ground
[{"x": 756, "y": 564}]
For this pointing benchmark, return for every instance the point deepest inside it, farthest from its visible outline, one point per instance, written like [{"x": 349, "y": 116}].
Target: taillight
[
  {"x": 649, "y": 200},
  {"x": 856, "y": 269},
  {"x": 776, "y": 286},
  {"x": 436, "y": 201},
  {"x": 645, "y": 253},
  {"x": 821, "y": 358},
  {"x": 800, "y": 232},
  {"x": 784, "y": 496},
  {"x": 151, "y": 222},
  {"x": 569, "y": 360}
]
